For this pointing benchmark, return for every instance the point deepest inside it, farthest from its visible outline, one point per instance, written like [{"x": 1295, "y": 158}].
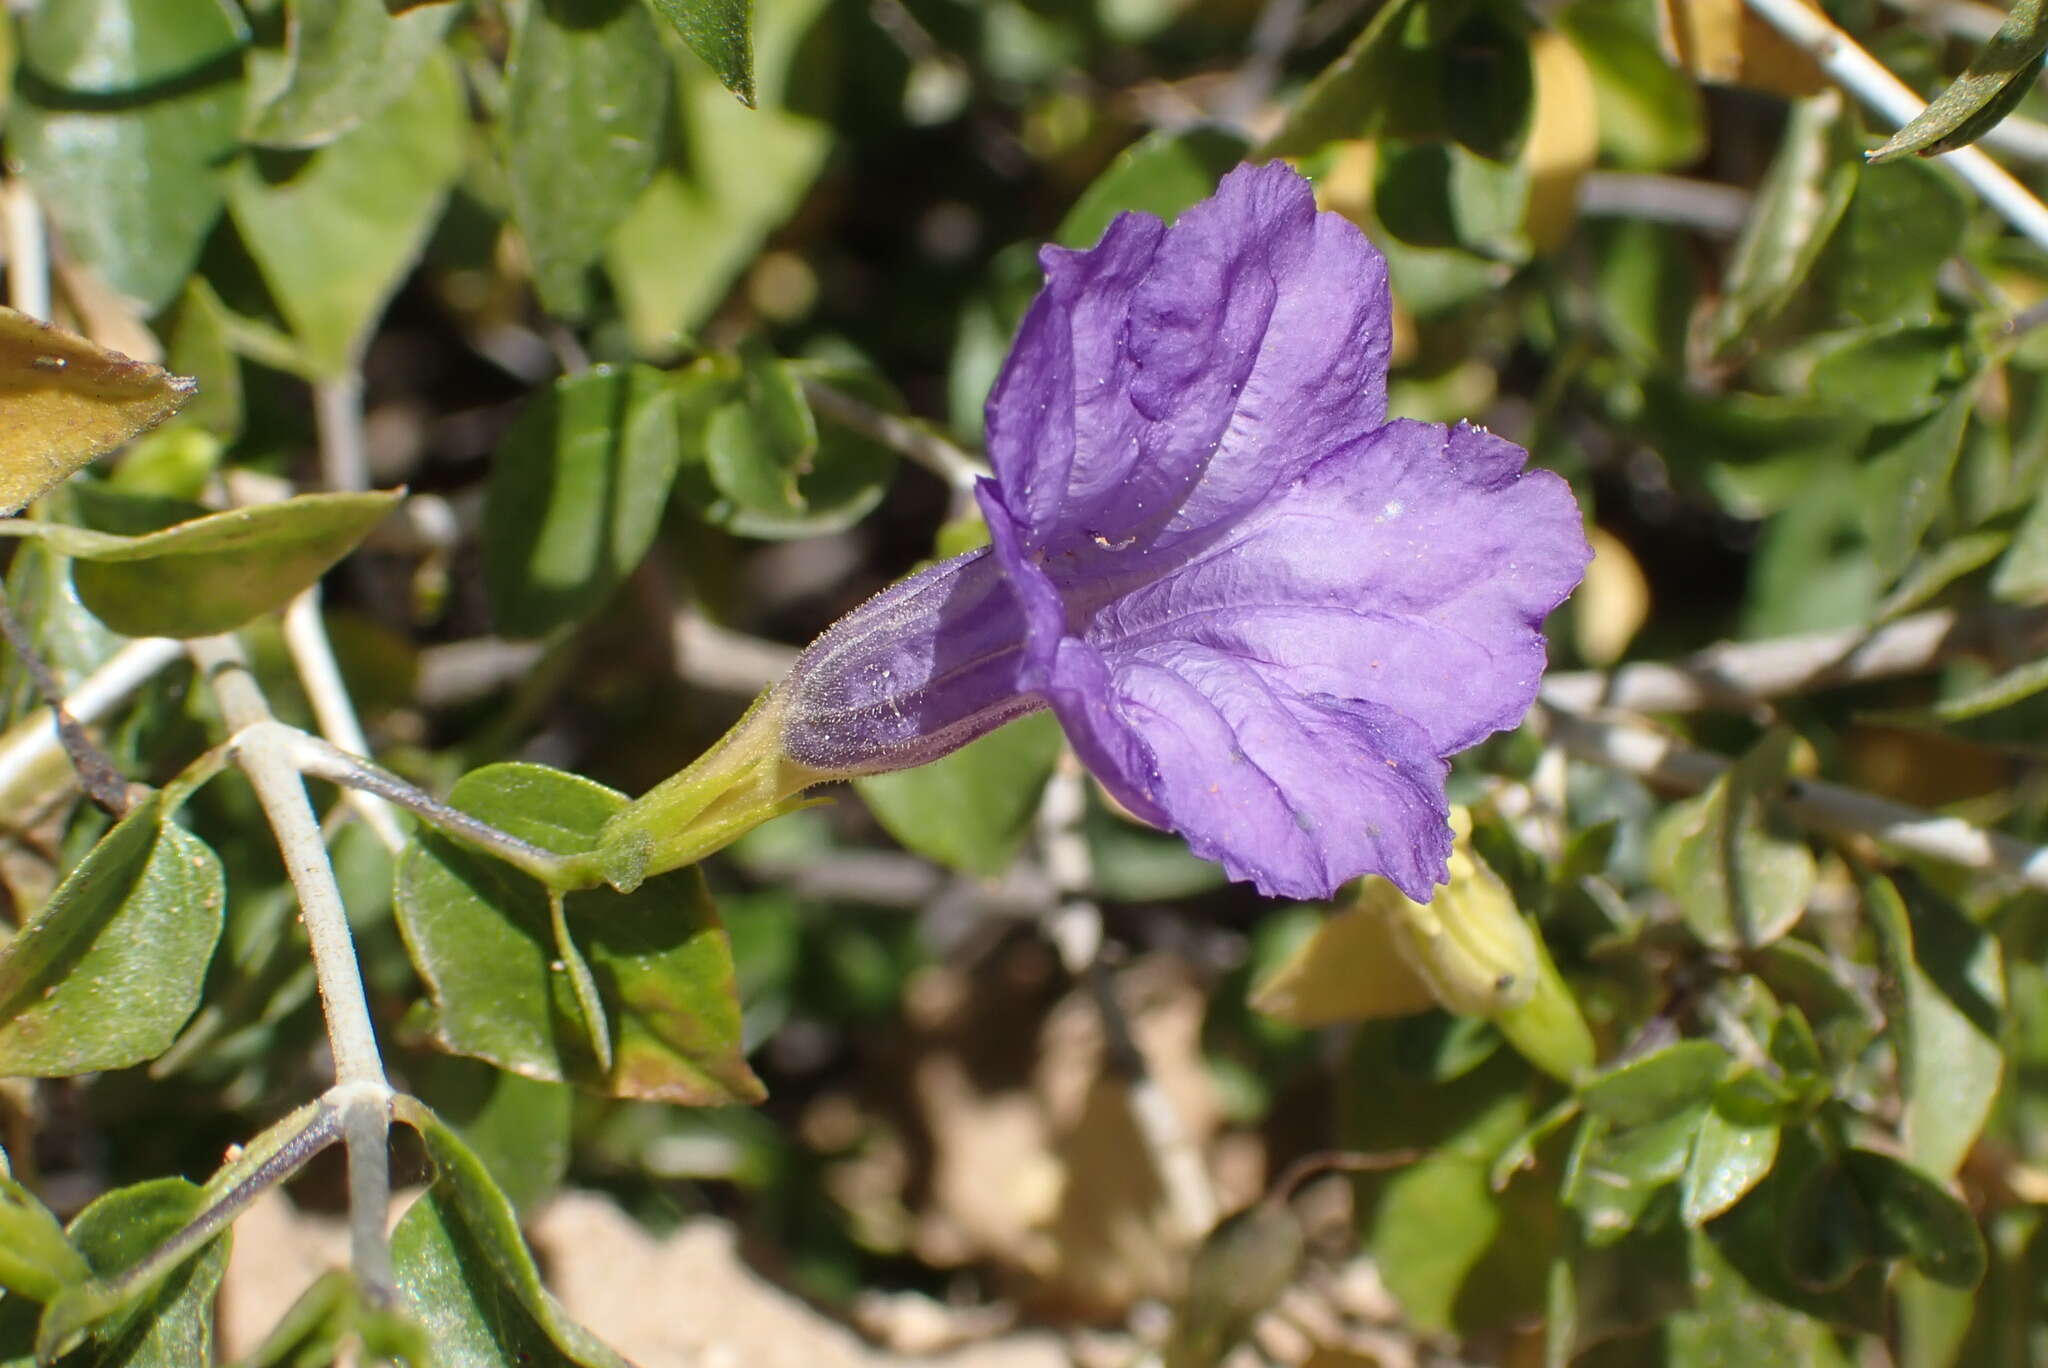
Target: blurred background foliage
[{"x": 675, "y": 377}]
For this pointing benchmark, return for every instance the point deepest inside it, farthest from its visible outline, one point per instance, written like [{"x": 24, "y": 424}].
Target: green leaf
[
  {"x": 1239, "y": 1270},
  {"x": 1651, "y": 118},
  {"x": 1441, "y": 195},
  {"x": 971, "y": 810},
  {"x": 36, "y": 1260},
  {"x": 1656, "y": 1085},
  {"x": 1617, "y": 1178},
  {"x": 105, "y": 974},
  {"x": 118, "y": 47},
  {"x": 1947, "y": 988},
  {"x": 1487, "y": 71},
  {"x": 1730, "y": 1156},
  {"x": 517, "y": 1127},
  {"x": 345, "y": 60},
  {"x": 335, "y": 231},
  {"x": 481, "y": 935},
  {"x": 1906, "y": 480},
  {"x": 331, "y": 1313},
  {"x": 734, "y": 175},
  {"x": 2022, "y": 576},
  {"x": 1732, "y": 1322},
  {"x": 1903, "y": 224},
  {"x": 1738, "y": 884},
  {"x": 168, "y": 1323},
  {"x": 1161, "y": 174},
  {"x": 576, "y": 495},
  {"x": 1802, "y": 198},
  {"x": 467, "y": 1274},
  {"x": 586, "y": 98},
  {"x": 761, "y": 440},
  {"x": 1915, "y": 1218},
  {"x": 1989, "y": 88},
  {"x": 128, "y": 109},
  {"x": 211, "y": 574},
  {"x": 1455, "y": 1253},
  {"x": 719, "y": 31},
  {"x": 1351, "y": 96},
  {"x": 1938, "y": 569},
  {"x": 1886, "y": 374}
]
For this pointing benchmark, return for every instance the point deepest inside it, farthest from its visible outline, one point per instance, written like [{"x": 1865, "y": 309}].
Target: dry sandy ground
[{"x": 686, "y": 1301}]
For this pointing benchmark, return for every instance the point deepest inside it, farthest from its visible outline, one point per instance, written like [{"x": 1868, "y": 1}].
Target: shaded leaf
[
  {"x": 1650, "y": 115},
  {"x": 1907, "y": 479},
  {"x": 720, "y": 32},
  {"x": 735, "y": 174},
  {"x": 1915, "y": 1218},
  {"x": 1802, "y": 198},
  {"x": 135, "y": 924},
  {"x": 481, "y": 935},
  {"x": 1350, "y": 96},
  {"x": 467, "y": 1274},
  {"x": 586, "y": 97},
  {"x": 576, "y": 495},
  {"x": 972, "y": 809},
  {"x": 334, "y": 231},
  {"x": 65, "y": 401},
  {"x": 36, "y": 1260},
  {"x": 1486, "y": 62},
  {"x": 213, "y": 573},
  {"x": 517, "y": 1127},
  {"x": 1947, "y": 986},
  {"x": 761, "y": 439},
  {"x": 1738, "y": 883},
  {"x": 1904, "y": 222},
  {"x": 1997, "y": 78},
  {"x": 1240, "y": 1269},
  {"x": 1657, "y": 1085},
  {"x": 117, "y": 47},
  {"x": 1162, "y": 174},
  {"x": 345, "y": 60},
  {"x": 166, "y": 1323}
]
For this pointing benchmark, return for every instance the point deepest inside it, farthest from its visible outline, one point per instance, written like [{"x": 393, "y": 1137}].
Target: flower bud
[{"x": 1471, "y": 946}]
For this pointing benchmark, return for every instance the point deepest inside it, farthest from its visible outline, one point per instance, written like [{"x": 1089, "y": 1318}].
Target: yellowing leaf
[
  {"x": 1563, "y": 139},
  {"x": 65, "y": 401},
  {"x": 1723, "y": 42},
  {"x": 1613, "y": 603},
  {"x": 1347, "y": 970}
]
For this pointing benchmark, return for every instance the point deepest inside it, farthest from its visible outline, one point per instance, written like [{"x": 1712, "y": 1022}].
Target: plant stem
[
  {"x": 323, "y": 760},
  {"x": 35, "y": 743},
  {"x": 920, "y": 444},
  {"x": 1873, "y": 83},
  {"x": 305, "y": 637},
  {"x": 263, "y": 748},
  {"x": 1740, "y": 674},
  {"x": 1635, "y": 749},
  {"x": 28, "y": 249}
]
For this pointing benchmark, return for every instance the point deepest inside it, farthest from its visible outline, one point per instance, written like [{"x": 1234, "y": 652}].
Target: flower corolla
[{"x": 1263, "y": 613}]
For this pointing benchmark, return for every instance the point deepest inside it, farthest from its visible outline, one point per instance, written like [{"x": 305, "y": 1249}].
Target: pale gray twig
[
  {"x": 1634, "y": 748},
  {"x": 913, "y": 440},
  {"x": 305, "y": 639}
]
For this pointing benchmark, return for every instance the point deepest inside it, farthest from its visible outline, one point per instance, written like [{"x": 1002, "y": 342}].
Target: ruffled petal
[
  {"x": 1167, "y": 380},
  {"x": 1296, "y": 793},
  {"x": 1412, "y": 571}
]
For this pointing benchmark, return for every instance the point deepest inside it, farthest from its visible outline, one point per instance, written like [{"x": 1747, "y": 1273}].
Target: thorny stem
[
  {"x": 305, "y": 637},
  {"x": 263, "y": 748},
  {"x": 1635, "y": 749},
  {"x": 1873, "y": 83}
]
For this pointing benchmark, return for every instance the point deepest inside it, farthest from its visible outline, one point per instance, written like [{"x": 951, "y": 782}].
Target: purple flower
[{"x": 1263, "y": 613}]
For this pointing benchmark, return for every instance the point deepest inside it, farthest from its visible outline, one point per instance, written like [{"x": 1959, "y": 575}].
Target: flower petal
[
  {"x": 1296, "y": 793},
  {"x": 1412, "y": 571},
  {"x": 1168, "y": 379}
]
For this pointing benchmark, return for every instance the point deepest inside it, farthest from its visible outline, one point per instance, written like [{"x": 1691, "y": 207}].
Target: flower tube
[{"x": 1263, "y": 613}]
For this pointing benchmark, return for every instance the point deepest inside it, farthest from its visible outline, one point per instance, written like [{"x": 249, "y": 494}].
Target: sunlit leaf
[
  {"x": 586, "y": 99},
  {"x": 212, "y": 573},
  {"x": 345, "y": 60},
  {"x": 65, "y": 401},
  {"x": 484, "y": 941},
  {"x": 1996, "y": 80},
  {"x": 720, "y": 32},
  {"x": 467, "y": 1275},
  {"x": 135, "y": 925},
  {"x": 1739, "y": 882},
  {"x": 576, "y": 495}
]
